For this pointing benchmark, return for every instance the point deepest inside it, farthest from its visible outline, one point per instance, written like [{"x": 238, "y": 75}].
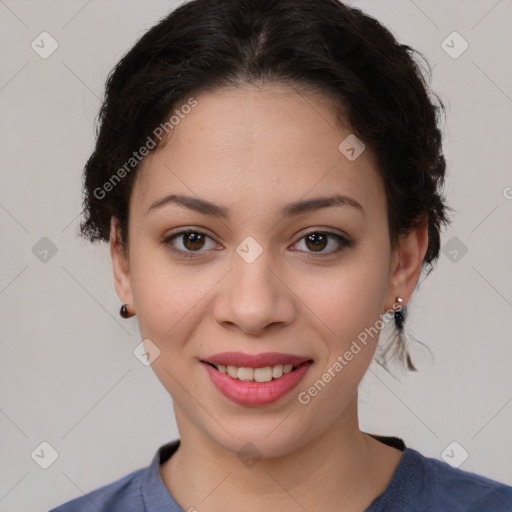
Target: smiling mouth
[{"x": 260, "y": 374}]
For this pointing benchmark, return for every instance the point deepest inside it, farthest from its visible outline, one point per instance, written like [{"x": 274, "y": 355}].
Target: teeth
[
  {"x": 265, "y": 374},
  {"x": 245, "y": 373},
  {"x": 277, "y": 371}
]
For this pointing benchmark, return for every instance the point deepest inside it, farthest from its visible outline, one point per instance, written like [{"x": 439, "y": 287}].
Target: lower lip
[{"x": 256, "y": 393}]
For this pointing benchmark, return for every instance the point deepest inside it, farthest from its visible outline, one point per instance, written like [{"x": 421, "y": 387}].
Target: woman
[{"x": 269, "y": 178}]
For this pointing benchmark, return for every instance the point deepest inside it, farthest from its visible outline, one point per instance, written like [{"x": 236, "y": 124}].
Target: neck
[{"x": 342, "y": 466}]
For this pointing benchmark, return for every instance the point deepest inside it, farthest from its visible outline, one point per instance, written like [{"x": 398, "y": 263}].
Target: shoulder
[
  {"x": 123, "y": 495},
  {"x": 142, "y": 489},
  {"x": 443, "y": 487}
]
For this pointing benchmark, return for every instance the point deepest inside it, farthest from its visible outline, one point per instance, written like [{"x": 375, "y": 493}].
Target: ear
[
  {"x": 121, "y": 265},
  {"x": 406, "y": 264}
]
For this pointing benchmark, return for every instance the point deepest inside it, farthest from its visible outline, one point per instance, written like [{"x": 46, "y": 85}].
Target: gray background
[{"x": 68, "y": 375}]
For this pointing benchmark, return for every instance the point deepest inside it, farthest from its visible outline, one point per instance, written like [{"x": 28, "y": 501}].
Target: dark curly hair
[{"x": 373, "y": 82}]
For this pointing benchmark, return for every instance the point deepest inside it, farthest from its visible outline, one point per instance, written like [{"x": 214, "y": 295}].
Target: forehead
[{"x": 257, "y": 145}]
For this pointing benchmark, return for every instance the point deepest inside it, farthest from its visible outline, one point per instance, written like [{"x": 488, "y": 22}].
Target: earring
[
  {"x": 124, "y": 311},
  {"x": 399, "y": 316}
]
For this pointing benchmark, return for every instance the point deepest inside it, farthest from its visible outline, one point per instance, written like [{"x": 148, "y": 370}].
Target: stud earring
[{"x": 124, "y": 311}]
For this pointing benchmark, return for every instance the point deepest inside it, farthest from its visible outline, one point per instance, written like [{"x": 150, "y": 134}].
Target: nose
[{"x": 255, "y": 297}]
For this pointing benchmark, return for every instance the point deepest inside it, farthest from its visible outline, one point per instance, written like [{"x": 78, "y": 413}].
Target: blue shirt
[{"x": 418, "y": 484}]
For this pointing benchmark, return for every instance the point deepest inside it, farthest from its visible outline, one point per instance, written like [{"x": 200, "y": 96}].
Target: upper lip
[{"x": 240, "y": 359}]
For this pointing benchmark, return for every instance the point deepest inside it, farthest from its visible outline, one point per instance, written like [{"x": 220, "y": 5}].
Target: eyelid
[{"x": 326, "y": 230}]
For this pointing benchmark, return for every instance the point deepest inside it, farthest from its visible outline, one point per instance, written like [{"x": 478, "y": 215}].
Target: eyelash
[{"x": 342, "y": 241}]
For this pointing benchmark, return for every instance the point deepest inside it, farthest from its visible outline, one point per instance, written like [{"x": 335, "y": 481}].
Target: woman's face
[{"x": 263, "y": 276}]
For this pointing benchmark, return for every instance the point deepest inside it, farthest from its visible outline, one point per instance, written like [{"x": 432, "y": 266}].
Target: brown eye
[
  {"x": 318, "y": 241},
  {"x": 191, "y": 241}
]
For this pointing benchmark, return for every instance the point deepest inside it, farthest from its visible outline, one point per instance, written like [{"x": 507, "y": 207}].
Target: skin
[{"x": 253, "y": 150}]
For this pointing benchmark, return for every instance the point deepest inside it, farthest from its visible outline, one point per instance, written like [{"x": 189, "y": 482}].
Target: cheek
[
  {"x": 355, "y": 293},
  {"x": 352, "y": 308},
  {"x": 352, "y": 305},
  {"x": 169, "y": 311},
  {"x": 167, "y": 298}
]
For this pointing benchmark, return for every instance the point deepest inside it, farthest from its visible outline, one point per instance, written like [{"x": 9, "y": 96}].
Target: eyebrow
[{"x": 292, "y": 209}]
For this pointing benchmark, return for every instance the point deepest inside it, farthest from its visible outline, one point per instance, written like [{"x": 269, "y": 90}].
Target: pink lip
[
  {"x": 256, "y": 393},
  {"x": 242, "y": 360}
]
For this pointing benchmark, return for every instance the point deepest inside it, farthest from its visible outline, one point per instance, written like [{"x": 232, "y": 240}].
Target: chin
[{"x": 263, "y": 439}]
